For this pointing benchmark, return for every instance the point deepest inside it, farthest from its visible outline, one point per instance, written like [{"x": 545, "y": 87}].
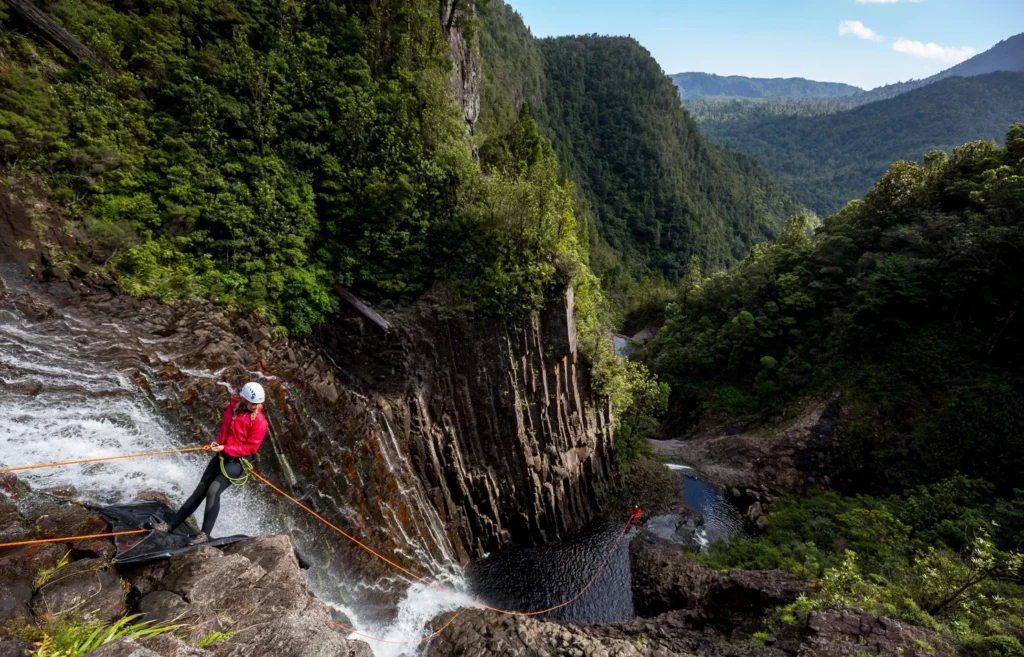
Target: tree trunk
[{"x": 45, "y": 28}]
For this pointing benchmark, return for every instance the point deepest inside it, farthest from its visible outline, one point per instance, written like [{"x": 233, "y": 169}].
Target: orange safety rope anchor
[
  {"x": 19, "y": 468},
  {"x": 71, "y": 539}
]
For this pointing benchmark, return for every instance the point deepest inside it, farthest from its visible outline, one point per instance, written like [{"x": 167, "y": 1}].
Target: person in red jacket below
[{"x": 240, "y": 436}]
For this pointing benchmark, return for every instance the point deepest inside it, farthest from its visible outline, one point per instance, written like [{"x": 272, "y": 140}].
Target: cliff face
[
  {"x": 500, "y": 421},
  {"x": 456, "y": 16}
]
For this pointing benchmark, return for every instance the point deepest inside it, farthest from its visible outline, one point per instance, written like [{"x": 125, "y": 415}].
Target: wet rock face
[{"x": 500, "y": 421}]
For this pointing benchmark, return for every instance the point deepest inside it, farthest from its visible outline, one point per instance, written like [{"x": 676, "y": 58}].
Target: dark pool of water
[
  {"x": 531, "y": 578},
  {"x": 721, "y": 519}
]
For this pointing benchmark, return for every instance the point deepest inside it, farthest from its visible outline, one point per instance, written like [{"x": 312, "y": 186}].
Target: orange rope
[
  {"x": 17, "y": 468},
  {"x": 401, "y": 643},
  {"x": 351, "y": 538},
  {"x": 438, "y": 587},
  {"x": 70, "y": 539}
]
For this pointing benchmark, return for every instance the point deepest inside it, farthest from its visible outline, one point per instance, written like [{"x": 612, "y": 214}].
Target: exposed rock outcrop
[
  {"x": 500, "y": 421},
  {"x": 851, "y": 633},
  {"x": 456, "y": 16},
  {"x": 476, "y": 633},
  {"x": 753, "y": 466},
  {"x": 667, "y": 578},
  {"x": 252, "y": 591}
]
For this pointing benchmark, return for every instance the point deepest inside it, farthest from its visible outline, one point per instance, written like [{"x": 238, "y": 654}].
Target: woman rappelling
[{"x": 240, "y": 436}]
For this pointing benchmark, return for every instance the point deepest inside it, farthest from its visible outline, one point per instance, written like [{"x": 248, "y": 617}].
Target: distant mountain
[
  {"x": 1007, "y": 55},
  {"x": 701, "y": 85},
  {"x": 832, "y": 158}
]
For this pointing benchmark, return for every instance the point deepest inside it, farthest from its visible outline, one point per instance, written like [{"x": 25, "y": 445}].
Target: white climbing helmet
[{"x": 252, "y": 392}]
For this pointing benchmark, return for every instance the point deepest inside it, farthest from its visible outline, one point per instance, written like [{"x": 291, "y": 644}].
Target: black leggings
[{"x": 212, "y": 484}]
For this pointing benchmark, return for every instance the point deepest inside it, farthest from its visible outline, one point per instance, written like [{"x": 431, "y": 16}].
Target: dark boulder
[
  {"x": 15, "y": 649},
  {"x": 254, "y": 590},
  {"x": 18, "y": 572},
  {"x": 667, "y": 578},
  {"x": 89, "y": 588}
]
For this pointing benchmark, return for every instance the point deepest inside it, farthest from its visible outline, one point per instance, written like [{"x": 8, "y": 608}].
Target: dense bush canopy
[
  {"x": 906, "y": 302},
  {"x": 259, "y": 153}
]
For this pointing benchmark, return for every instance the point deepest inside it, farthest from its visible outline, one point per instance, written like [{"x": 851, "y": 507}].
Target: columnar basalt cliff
[{"x": 501, "y": 421}]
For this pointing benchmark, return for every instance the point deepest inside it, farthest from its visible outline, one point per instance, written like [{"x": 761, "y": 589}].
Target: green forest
[
  {"x": 904, "y": 306},
  {"x": 829, "y": 152},
  {"x": 658, "y": 192},
  {"x": 259, "y": 153}
]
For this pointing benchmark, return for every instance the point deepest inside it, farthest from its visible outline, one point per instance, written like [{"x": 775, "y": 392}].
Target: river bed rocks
[
  {"x": 753, "y": 466},
  {"x": 253, "y": 591},
  {"x": 691, "y": 611},
  {"x": 667, "y": 578}
]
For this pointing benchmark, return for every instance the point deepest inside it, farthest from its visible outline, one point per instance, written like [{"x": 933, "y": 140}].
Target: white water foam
[
  {"x": 63, "y": 397},
  {"x": 420, "y": 605}
]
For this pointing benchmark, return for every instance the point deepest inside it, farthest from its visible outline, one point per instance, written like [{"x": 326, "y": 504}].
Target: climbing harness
[
  {"x": 249, "y": 471},
  {"x": 243, "y": 479}
]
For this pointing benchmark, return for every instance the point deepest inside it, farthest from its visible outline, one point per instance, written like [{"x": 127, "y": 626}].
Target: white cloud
[
  {"x": 950, "y": 55},
  {"x": 859, "y": 30}
]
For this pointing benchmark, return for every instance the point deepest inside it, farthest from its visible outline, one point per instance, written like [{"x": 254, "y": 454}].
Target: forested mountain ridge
[
  {"x": 701, "y": 85},
  {"x": 831, "y": 158},
  {"x": 904, "y": 303},
  {"x": 1007, "y": 55},
  {"x": 658, "y": 191}
]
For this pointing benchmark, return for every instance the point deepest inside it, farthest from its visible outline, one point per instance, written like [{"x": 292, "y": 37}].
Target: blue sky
[{"x": 882, "y": 41}]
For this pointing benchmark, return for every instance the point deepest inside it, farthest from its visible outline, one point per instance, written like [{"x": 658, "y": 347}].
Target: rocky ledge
[
  {"x": 692, "y": 611},
  {"x": 251, "y": 595},
  {"x": 753, "y": 466}
]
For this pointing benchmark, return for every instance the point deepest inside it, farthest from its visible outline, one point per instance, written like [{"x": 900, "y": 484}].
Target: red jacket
[{"x": 240, "y": 434}]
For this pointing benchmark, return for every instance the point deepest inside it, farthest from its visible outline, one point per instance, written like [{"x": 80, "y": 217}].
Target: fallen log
[
  {"x": 47, "y": 29},
  {"x": 363, "y": 307}
]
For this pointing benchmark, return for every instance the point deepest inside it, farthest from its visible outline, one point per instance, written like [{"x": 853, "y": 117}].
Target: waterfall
[{"x": 67, "y": 393}]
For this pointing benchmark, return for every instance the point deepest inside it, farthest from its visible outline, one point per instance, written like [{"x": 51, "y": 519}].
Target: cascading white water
[
  {"x": 64, "y": 399},
  {"x": 64, "y": 395}
]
